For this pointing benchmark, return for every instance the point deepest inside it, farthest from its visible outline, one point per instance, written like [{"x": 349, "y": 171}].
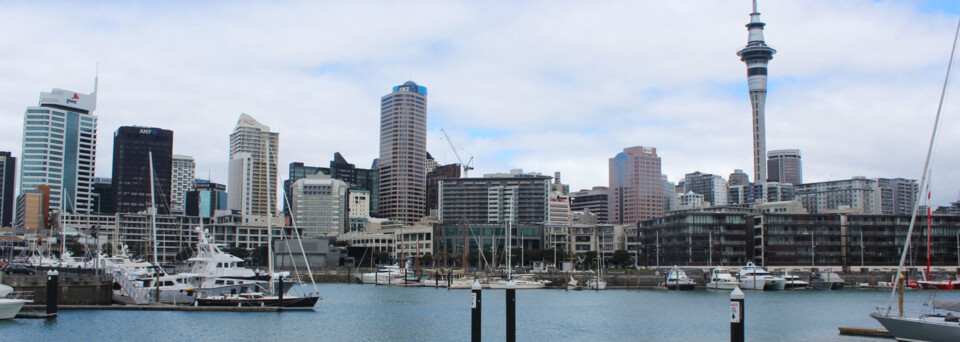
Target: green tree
[
  {"x": 426, "y": 259},
  {"x": 622, "y": 258},
  {"x": 589, "y": 259}
]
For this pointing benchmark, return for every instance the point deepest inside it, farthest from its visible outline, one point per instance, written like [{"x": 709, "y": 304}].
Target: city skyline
[{"x": 573, "y": 83}]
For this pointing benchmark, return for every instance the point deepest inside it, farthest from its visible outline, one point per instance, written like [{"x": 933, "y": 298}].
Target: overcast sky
[{"x": 541, "y": 85}]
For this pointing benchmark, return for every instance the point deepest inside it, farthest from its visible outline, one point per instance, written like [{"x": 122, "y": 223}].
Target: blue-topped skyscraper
[
  {"x": 403, "y": 153},
  {"x": 756, "y": 55}
]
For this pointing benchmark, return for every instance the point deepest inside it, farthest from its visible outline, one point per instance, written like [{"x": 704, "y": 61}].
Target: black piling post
[
  {"x": 475, "y": 312},
  {"x": 511, "y": 311},
  {"x": 280, "y": 291},
  {"x": 449, "y": 279},
  {"x": 53, "y": 291},
  {"x": 736, "y": 315},
  {"x": 157, "y": 283}
]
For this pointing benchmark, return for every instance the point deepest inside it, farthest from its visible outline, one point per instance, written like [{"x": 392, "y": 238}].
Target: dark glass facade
[
  {"x": 8, "y": 165},
  {"x": 356, "y": 179},
  {"x": 131, "y": 168}
]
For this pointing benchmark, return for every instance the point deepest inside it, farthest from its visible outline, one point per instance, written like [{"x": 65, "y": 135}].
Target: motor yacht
[
  {"x": 793, "y": 282},
  {"x": 677, "y": 280},
  {"x": 753, "y": 277},
  {"x": 721, "y": 279}
]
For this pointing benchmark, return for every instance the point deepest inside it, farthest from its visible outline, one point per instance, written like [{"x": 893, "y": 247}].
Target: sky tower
[{"x": 756, "y": 55}]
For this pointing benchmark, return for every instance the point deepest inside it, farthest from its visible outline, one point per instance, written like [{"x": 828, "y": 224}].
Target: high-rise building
[
  {"x": 59, "y": 149},
  {"x": 498, "y": 200},
  {"x": 594, "y": 200},
  {"x": 132, "y": 149},
  {"x": 253, "y": 157},
  {"x": 433, "y": 188},
  {"x": 784, "y": 166},
  {"x": 8, "y": 166},
  {"x": 357, "y": 179},
  {"x": 320, "y": 206},
  {"x": 856, "y": 194},
  {"x": 182, "y": 178},
  {"x": 103, "y": 195},
  {"x": 670, "y": 196},
  {"x": 738, "y": 177},
  {"x": 33, "y": 208},
  {"x": 359, "y": 206},
  {"x": 760, "y": 193},
  {"x": 636, "y": 186},
  {"x": 897, "y": 195},
  {"x": 712, "y": 187},
  {"x": 757, "y": 55},
  {"x": 205, "y": 199},
  {"x": 403, "y": 153}
]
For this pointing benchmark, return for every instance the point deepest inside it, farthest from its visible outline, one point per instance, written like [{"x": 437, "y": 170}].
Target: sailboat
[
  {"x": 929, "y": 327},
  {"x": 520, "y": 281},
  {"x": 598, "y": 283},
  {"x": 276, "y": 297}
]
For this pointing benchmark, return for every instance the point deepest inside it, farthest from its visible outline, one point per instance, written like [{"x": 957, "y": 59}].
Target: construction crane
[{"x": 466, "y": 166}]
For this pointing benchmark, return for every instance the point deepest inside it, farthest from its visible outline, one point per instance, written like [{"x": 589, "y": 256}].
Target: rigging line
[
  {"x": 926, "y": 166},
  {"x": 296, "y": 231}
]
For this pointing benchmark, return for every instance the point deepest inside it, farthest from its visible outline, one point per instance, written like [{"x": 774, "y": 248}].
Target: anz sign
[{"x": 148, "y": 131}]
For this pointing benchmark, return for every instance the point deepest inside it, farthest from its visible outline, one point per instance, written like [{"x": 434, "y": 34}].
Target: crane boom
[{"x": 466, "y": 167}]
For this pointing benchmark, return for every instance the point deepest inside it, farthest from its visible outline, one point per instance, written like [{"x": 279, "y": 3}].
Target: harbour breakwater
[{"x": 73, "y": 289}]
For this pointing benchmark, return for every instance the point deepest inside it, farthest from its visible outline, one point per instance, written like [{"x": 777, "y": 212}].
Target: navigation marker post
[
  {"x": 475, "y": 312},
  {"x": 736, "y": 315}
]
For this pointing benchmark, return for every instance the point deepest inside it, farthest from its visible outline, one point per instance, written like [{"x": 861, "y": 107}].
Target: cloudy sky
[{"x": 540, "y": 85}]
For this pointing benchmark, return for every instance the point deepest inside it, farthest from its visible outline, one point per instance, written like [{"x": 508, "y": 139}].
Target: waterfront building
[
  {"x": 320, "y": 252},
  {"x": 594, "y": 200},
  {"x": 738, "y": 177},
  {"x": 182, "y": 177},
  {"x": 206, "y": 199},
  {"x": 376, "y": 241},
  {"x": 718, "y": 236},
  {"x": 712, "y": 187},
  {"x": 357, "y": 179},
  {"x": 898, "y": 196},
  {"x": 433, "y": 188},
  {"x": 319, "y": 205},
  {"x": 403, "y": 154},
  {"x": 59, "y": 149},
  {"x": 132, "y": 187},
  {"x": 585, "y": 238},
  {"x": 103, "y": 202},
  {"x": 176, "y": 234},
  {"x": 636, "y": 187},
  {"x": 8, "y": 167},
  {"x": 494, "y": 200},
  {"x": 853, "y": 240},
  {"x": 757, "y": 55},
  {"x": 33, "y": 208},
  {"x": 760, "y": 193},
  {"x": 858, "y": 193},
  {"x": 252, "y": 144},
  {"x": 784, "y": 166},
  {"x": 413, "y": 239}
]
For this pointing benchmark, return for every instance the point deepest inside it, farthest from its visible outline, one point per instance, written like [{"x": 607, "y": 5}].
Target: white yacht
[
  {"x": 9, "y": 304},
  {"x": 677, "y": 280},
  {"x": 596, "y": 284},
  {"x": 523, "y": 282},
  {"x": 753, "y": 277},
  {"x": 721, "y": 279},
  {"x": 793, "y": 282},
  {"x": 215, "y": 272},
  {"x": 385, "y": 275}
]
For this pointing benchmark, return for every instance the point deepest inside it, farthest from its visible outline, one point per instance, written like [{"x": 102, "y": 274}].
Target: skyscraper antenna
[
  {"x": 754, "y": 6},
  {"x": 96, "y": 84}
]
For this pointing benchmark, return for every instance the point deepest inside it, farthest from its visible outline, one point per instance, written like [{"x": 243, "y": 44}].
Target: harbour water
[{"x": 381, "y": 313}]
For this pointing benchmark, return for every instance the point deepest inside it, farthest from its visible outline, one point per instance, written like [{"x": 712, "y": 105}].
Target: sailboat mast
[
  {"x": 926, "y": 165},
  {"x": 269, "y": 221},
  {"x": 153, "y": 210}
]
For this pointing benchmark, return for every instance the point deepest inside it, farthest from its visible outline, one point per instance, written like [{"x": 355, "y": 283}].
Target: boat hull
[
  {"x": 763, "y": 284},
  {"x": 724, "y": 285},
  {"x": 10, "y": 307},
  {"x": 919, "y": 329},
  {"x": 286, "y": 302},
  {"x": 680, "y": 287},
  {"x": 937, "y": 285}
]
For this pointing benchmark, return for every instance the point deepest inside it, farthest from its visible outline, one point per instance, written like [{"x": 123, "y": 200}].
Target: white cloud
[{"x": 561, "y": 85}]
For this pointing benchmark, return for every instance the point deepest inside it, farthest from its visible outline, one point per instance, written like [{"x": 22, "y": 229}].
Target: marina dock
[
  {"x": 172, "y": 308},
  {"x": 865, "y": 332}
]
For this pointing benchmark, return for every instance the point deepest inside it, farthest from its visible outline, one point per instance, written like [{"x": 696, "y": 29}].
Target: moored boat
[
  {"x": 10, "y": 304},
  {"x": 721, "y": 279},
  {"x": 753, "y": 277},
  {"x": 793, "y": 282},
  {"x": 677, "y": 280}
]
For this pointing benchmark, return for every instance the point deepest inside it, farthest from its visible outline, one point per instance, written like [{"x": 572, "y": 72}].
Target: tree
[
  {"x": 426, "y": 259},
  {"x": 589, "y": 259},
  {"x": 241, "y": 253},
  {"x": 622, "y": 258}
]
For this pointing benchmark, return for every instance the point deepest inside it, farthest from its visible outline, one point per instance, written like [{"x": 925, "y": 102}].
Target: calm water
[{"x": 379, "y": 313}]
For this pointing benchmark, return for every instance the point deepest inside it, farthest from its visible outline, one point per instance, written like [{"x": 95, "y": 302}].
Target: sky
[{"x": 544, "y": 86}]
